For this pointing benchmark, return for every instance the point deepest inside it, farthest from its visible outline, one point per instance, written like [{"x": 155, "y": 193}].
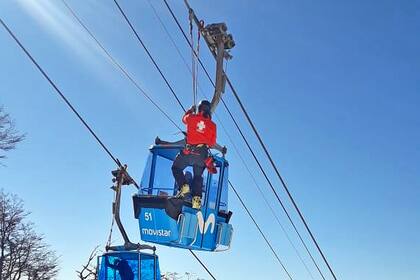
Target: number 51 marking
[{"x": 148, "y": 216}]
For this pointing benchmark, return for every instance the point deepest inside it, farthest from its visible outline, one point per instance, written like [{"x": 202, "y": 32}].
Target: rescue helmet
[{"x": 204, "y": 107}]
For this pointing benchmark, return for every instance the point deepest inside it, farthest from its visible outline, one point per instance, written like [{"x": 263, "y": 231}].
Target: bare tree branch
[
  {"x": 23, "y": 252},
  {"x": 9, "y": 136},
  {"x": 89, "y": 270}
]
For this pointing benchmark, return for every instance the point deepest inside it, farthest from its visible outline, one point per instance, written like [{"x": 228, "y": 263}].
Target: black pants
[{"x": 196, "y": 158}]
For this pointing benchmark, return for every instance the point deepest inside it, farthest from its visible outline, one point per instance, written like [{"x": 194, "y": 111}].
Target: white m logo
[{"x": 203, "y": 227}]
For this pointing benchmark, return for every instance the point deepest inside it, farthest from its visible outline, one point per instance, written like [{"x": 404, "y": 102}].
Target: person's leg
[
  {"x": 180, "y": 162},
  {"x": 198, "y": 168},
  {"x": 197, "y": 184}
]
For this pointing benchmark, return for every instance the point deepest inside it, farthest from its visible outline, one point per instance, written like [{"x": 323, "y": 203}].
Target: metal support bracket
[
  {"x": 121, "y": 178},
  {"x": 219, "y": 43}
]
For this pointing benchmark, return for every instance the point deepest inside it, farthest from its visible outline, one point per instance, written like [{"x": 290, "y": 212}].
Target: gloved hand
[
  {"x": 224, "y": 150},
  {"x": 192, "y": 109}
]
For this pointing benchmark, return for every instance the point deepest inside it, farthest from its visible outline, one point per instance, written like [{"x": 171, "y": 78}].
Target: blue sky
[{"x": 332, "y": 86}]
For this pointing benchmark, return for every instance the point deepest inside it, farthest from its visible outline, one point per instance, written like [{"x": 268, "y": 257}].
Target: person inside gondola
[
  {"x": 200, "y": 137},
  {"x": 123, "y": 268}
]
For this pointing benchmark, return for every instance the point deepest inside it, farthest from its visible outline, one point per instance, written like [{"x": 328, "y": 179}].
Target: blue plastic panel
[
  {"x": 156, "y": 226},
  {"x": 188, "y": 228},
  {"x": 224, "y": 235}
]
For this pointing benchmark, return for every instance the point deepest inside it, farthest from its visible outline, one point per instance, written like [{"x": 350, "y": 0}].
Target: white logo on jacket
[{"x": 201, "y": 126}]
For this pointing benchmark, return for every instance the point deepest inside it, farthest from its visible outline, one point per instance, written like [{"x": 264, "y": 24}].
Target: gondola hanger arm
[{"x": 219, "y": 42}]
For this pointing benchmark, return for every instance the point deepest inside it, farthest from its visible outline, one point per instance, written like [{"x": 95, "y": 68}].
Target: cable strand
[
  {"x": 119, "y": 65},
  {"x": 202, "y": 264},
  {"x": 149, "y": 54},
  {"x": 259, "y": 229},
  {"x": 40, "y": 69},
  {"x": 280, "y": 178}
]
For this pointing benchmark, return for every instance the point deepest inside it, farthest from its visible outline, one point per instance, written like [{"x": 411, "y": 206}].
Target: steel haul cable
[
  {"x": 258, "y": 227},
  {"x": 149, "y": 54},
  {"x": 58, "y": 91},
  {"x": 282, "y": 181},
  {"x": 202, "y": 264}
]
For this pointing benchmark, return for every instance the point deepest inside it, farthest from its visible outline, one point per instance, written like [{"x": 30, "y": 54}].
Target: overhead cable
[
  {"x": 149, "y": 54},
  {"x": 118, "y": 64}
]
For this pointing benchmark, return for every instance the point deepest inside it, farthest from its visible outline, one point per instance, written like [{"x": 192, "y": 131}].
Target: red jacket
[{"x": 200, "y": 130}]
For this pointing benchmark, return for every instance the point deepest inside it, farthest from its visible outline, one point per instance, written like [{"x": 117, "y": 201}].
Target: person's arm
[{"x": 188, "y": 114}]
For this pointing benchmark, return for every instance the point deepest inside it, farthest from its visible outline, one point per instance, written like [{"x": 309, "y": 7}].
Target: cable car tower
[{"x": 170, "y": 221}]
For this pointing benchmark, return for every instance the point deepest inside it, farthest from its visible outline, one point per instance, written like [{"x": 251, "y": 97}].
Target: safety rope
[
  {"x": 195, "y": 56},
  {"x": 109, "y": 241},
  {"x": 193, "y": 61}
]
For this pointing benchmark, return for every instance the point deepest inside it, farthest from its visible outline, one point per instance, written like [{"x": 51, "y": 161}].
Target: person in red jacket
[{"x": 201, "y": 136}]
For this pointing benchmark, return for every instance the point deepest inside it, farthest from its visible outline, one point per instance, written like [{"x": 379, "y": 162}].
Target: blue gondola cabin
[
  {"x": 170, "y": 221},
  {"x": 128, "y": 265}
]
